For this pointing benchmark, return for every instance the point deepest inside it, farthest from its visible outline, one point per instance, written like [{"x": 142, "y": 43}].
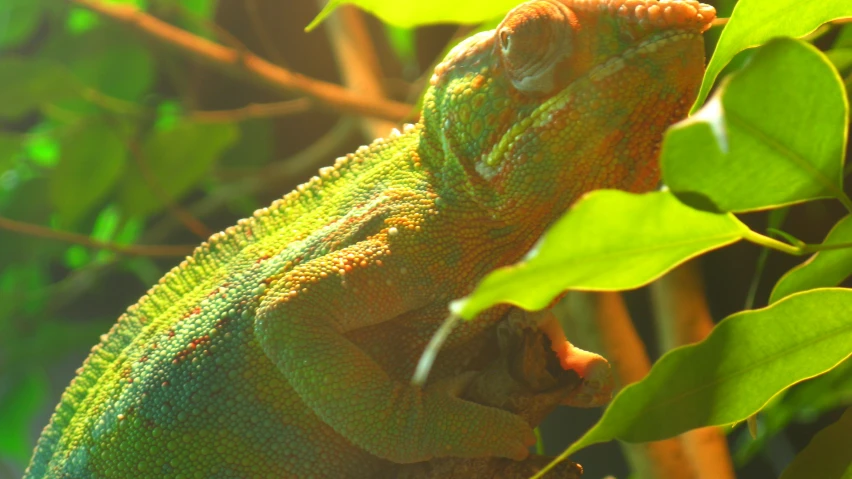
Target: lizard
[{"x": 282, "y": 346}]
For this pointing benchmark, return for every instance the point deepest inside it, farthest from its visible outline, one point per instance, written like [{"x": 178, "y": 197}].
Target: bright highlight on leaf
[
  {"x": 412, "y": 13},
  {"x": 753, "y": 147},
  {"x": 826, "y": 268},
  {"x": 746, "y": 360},
  {"x": 609, "y": 240},
  {"x": 754, "y": 22},
  {"x": 91, "y": 161}
]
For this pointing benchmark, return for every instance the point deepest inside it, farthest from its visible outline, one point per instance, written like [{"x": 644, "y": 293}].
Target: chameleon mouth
[{"x": 544, "y": 113}]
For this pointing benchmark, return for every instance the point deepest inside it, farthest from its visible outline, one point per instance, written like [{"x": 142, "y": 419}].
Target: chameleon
[{"x": 283, "y": 345}]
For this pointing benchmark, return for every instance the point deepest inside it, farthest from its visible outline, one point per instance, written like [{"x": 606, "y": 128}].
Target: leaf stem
[
  {"x": 424, "y": 365},
  {"x": 801, "y": 250},
  {"x": 773, "y": 243},
  {"x": 38, "y": 231},
  {"x": 813, "y": 248}
]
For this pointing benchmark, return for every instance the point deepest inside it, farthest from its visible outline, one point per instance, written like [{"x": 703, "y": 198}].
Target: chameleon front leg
[
  {"x": 593, "y": 368},
  {"x": 301, "y": 323}
]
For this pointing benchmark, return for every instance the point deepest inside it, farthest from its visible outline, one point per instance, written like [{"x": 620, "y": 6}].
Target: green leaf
[
  {"x": 29, "y": 83},
  {"x": 826, "y": 268},
  {"x": 609, "y": 240},
  {"x": 747, "y": 359},
  {"x": 804, "y": 402},
  {"x": 828, "y": 455},
  {"x": 10, "y": 148},
  {"x": 202, "y": 9},
  {"x": 20, "y": 402},
  {"x": 80, "y": 20},
  {"x": 413, "y": 13},
  {"x": 92, "y": 157},
  {"x": 26, "y": 201},
  {"x": 50, "y": 340},
  {"x": 841, "y": 58},
  {"x": 106, "y": 225},
  {"x": 403, "y": 41},
  {"x": 18, "y": 20},
  {"x": 255, "y": 148},
  {"x": 76, "y": 256},
  {"x": 174, "y": 161},
  {"x": 42, "y": 145},
  {"x": 754, "y": 22},
  {"x": 844, "y": 38},
  {"x": 774, "y": 134},
  {"x": 105, "y": 228},
  {"x": 169, "y": 113},
  {"x": 109, "y": 60}
]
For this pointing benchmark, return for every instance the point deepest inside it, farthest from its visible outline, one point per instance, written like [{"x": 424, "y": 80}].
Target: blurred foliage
[
  {"x": 413, "y": 14},
  {"x": 100, "y": 136}
]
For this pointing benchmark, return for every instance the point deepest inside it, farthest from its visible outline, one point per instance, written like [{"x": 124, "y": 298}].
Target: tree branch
[
  {"x": 247, "y": 65},
  {"x": 683, "y": 317},
  {"x": 253, "y": 111},
  {"x": 600, "y": 322},
  {"x": 136, "y": 250},
  {"x": 357, "y": 62}
]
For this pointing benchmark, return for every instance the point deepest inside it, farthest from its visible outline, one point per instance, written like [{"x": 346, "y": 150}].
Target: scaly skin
[{"x": 282, "y": 346}]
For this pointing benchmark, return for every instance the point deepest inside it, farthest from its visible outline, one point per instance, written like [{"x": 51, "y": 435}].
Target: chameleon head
[{"x": 564, "y": 96}]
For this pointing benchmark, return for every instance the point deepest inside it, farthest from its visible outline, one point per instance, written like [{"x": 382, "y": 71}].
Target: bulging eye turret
[{"x": 533, "y": 39}]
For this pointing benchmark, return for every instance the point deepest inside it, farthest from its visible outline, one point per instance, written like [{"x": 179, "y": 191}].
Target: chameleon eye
[
  {"x": 533, "y": 38},
  {"x": 505, "y": 41}
]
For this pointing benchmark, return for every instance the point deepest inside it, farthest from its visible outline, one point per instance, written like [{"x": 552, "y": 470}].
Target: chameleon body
[{"x": 283, "y": 346}]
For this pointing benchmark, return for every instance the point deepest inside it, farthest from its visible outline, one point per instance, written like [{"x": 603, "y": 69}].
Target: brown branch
[
  {"x": 253, "y": 111},
  {"x": 247, "y": 65},
  {"x": 136, "y": 250},
  {"x": 357, "y": 62},
  {"x": 600, "y": 322},
  {"x": 683, "y": 317}
]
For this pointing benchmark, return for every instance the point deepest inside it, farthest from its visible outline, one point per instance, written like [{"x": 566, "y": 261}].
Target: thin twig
[
  {"x": 254, "y": 111},
  {"x": 136, "y": 250},
  {"x": 357, "y": 62},
  {"x": 247, "y": 65},
  {"x": 113, "y": 104}
]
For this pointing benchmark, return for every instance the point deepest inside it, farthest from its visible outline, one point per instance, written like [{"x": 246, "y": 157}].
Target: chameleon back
[{"x": 183, "y": 366}]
